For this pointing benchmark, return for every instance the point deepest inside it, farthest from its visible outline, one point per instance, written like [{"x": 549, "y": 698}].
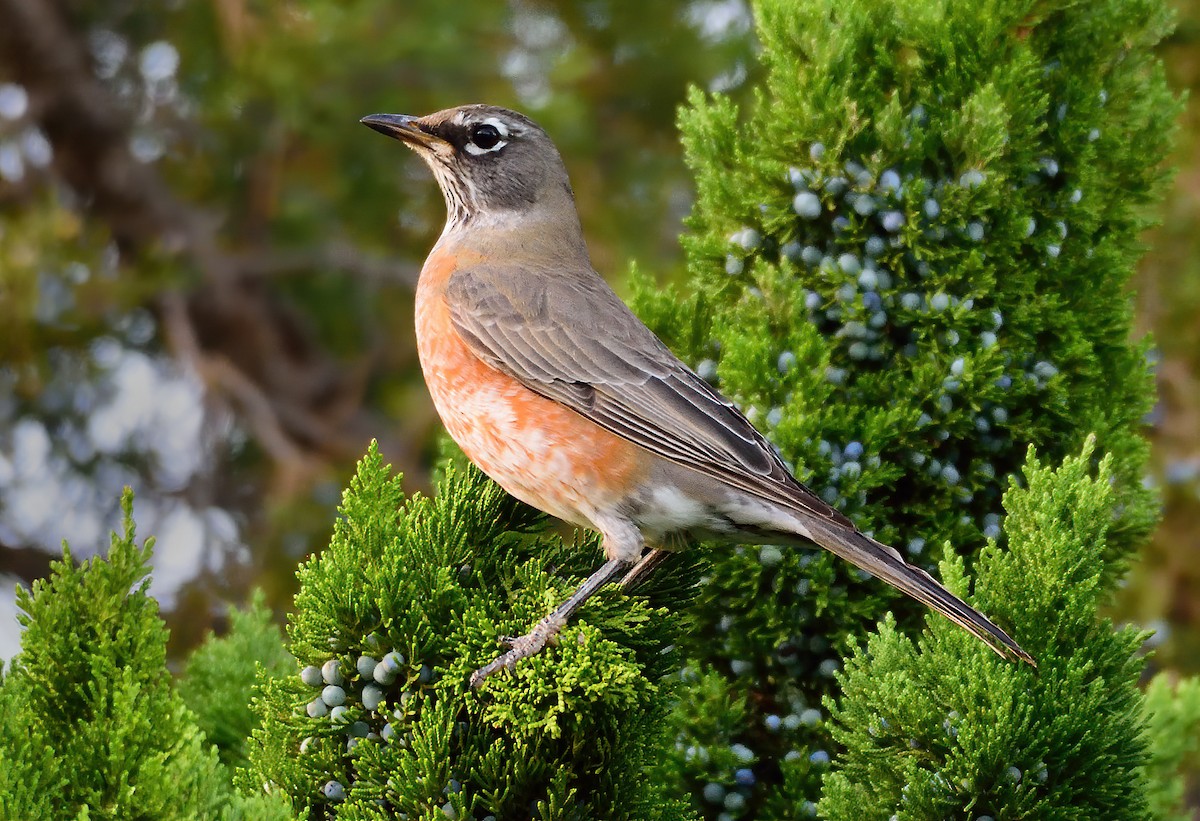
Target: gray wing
[{"x": 571, "y": 339}]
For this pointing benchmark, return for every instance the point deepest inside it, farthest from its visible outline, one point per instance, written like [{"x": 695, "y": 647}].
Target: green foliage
[
  {"x": 431, "y": 584},
  {"x": 910, "y": 256},
  {"x": 31, "y": 775},
  {"x": 1173, "y": 730},
  {"x": 220, "y": 677},
  {"x": 940, "y": 728},
  {"x": 93, "y": 727}
]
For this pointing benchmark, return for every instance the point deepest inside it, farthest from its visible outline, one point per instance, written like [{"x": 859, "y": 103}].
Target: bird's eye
[{"x": 485, "y": 136}]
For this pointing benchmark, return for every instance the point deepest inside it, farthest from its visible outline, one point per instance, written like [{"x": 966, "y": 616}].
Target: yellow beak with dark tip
[{"x": 403, "y": 127}]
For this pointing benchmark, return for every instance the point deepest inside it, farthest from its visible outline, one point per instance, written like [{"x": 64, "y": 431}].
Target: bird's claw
[{"x": 521, "y": 647}]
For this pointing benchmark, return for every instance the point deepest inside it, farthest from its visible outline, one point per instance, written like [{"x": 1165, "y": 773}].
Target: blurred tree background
[
  {"x": 1164, "y": 588},
  {"x": 206, "y": 265}
]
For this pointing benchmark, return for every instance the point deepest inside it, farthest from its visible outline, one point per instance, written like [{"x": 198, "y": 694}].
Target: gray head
[{"x": 487, "y": 159}]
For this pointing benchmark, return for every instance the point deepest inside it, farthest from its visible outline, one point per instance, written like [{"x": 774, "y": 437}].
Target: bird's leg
[
  {"x": 646, "y": 565},
  {"x": 532, "y": 642}
]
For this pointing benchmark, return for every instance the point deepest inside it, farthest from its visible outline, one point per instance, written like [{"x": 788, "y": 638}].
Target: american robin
[{"x": 552, "y": 386}]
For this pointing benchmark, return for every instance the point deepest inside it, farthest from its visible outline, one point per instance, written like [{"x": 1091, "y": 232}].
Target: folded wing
[
  {"x": 568, "y": 337},
  {"x": 572, "y": 340}
]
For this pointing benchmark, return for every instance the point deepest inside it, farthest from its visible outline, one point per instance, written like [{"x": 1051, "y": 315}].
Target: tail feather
[{"x": 887, "y": 564}]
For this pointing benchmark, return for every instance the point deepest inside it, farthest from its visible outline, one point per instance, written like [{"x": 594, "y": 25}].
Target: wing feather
[
  {"x": 610, "y": 368},
  {"x": 603, "y": 363}
]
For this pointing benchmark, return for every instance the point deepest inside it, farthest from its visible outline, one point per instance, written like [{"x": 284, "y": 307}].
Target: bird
[{"x": 555, "y": 389}]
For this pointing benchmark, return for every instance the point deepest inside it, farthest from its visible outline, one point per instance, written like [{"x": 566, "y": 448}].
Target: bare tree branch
[
  {"x": 299, "y": 401},
  {"x": 337, "y": 256},
  {"x": 89, "y": 131},
  {"x": 216, "y": 371}
]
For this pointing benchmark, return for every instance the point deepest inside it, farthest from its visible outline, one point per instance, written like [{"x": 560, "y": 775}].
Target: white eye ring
[{"x": 500, "y": 127}]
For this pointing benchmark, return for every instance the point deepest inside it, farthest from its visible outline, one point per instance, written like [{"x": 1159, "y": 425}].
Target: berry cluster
[
  {"x": 878, "y": 253},
  {"x": 369, "y": 701},
  {"x": 883, "y": 255}
]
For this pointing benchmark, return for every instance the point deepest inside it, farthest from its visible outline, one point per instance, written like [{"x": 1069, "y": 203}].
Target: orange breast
[{"x": 538, "y": 450}]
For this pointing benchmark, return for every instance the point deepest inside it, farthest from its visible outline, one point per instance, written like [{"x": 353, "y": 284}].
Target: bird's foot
[
  {"x": 521, "y": 647},
  {"x": 532, "y": 642},
  {"x": 642, "y": 570}
]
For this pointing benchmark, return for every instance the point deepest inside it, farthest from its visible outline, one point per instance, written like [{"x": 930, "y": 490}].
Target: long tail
[{"x": 887, "y": 564}]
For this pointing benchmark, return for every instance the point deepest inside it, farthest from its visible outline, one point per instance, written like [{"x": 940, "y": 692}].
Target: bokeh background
[{"x": 207, "y": 265}]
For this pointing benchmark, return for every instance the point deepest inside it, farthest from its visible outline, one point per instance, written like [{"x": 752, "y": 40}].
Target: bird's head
[{"x": 489, "y": 161}]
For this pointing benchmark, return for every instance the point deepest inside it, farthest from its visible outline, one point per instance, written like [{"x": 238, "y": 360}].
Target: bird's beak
[{"x": 403, "y": 127}]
